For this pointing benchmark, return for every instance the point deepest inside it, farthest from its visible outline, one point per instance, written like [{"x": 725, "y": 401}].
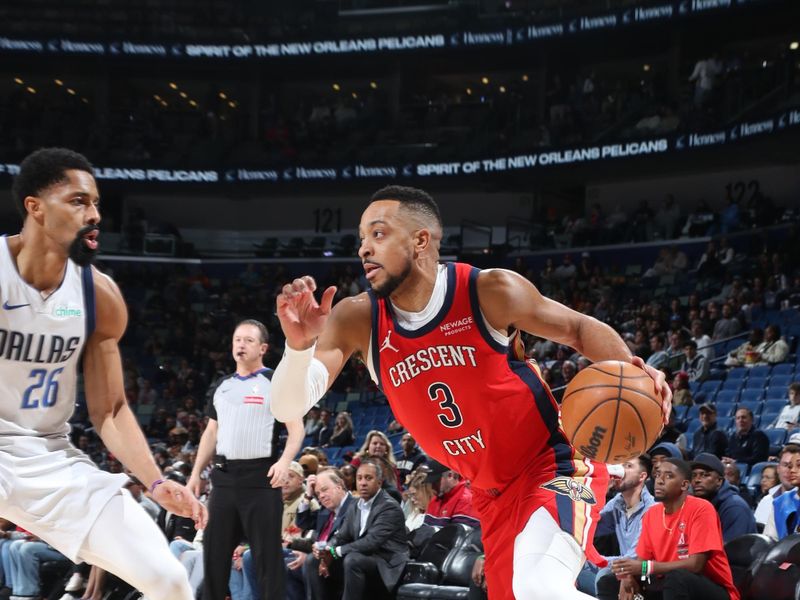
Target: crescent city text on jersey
[
  {"x": 432, "y": 357},
  {"x": 36, "y": 347}
]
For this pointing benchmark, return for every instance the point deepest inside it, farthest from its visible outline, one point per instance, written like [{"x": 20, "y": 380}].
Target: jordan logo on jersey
[{"x": 387, "y": 344}]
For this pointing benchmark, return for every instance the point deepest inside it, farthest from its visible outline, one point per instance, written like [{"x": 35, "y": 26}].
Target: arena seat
[
  {"x": 777, "y": 575},
  {"x": 760, "y": 372},
  {"x": 726, "y": 397},
  {"x": 433, "y": 560},
  {"x": 782, "y": 370},
  {"x": 755, "y": 383},
  {"x": 732, "y": 385},
  {"x": 738, "y": 373},
  {"x": 744, "y": 553},
  {"x": 456, "y": 574},
  {"x": 725, "y": 408},
  {"x": 777, "y": 438},
  {"x": 781, "y": 380}
]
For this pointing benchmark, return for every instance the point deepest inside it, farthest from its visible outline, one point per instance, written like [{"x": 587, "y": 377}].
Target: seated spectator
[
  {"x": 746, "y": 355},
  {"x": 329, "y": 489},
  {"x": 702, "y": 340},
  {"x": 420, "y": 493},
  {"x": 371, "y": 546},
  {"x": 324, "y": 430},
  {"x": 658, "y": 454},
  {"x": 772, "y": 486},
  {"x": 681, "y": 394},
  {"x": 695, "y": 365},
  {"x": 790, "y": 413},
  {"x": 680, "y": 546},
  {"x": 378, "y": 445},
  {"x": 343, "y": 431},
  {"x": 789, "y": 454},
  {"x": 453, "y": 500},
  {"x": 709, "y": 483},
  {"x": 786, "y": 508},
  {"x": 311, "y": 423},
  {"x": 410, "y": 458},
  {"x": 734, "y": 477},
  {"x": 659, "y": 357},
  {"x": 621, "y": 516},
  {"x": 747, "y": 444},
  {"x": 773, "y": 350},
  {"x": 309, "y": 463},
  {"x": 727, "y": 326},
  {"x": 25, "y": 557},
  {"x": 708, "y": 439}
]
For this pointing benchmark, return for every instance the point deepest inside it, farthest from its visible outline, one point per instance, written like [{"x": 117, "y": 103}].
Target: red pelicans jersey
[{"x": 464, "y": 399}]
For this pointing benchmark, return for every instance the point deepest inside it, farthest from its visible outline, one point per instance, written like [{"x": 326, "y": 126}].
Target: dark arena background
[{"x": 636, "y": 160}]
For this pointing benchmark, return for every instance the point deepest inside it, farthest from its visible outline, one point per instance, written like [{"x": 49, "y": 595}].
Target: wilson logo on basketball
[{"x": 595, "y": 442}]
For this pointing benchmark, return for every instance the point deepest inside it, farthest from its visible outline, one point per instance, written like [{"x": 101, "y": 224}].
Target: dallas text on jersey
[{"x": 36, "y": 348}]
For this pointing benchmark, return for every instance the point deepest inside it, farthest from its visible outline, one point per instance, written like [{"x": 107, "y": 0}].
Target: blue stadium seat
[
  {"x": 781, "y": 380},
  {"x": 710, "y": 387},
  {"x": 724, "y": 423},
  {"x": 744, "y": 468},
  {"x": 768, "y": 418},
  {"x": 738, "y": 373},
  {"x": 783, "y": 369},
  {"x": 777, "y": 393},
  {"x": 777, "y": 435},
  {"x": 733, "y": 385},
  {"x": 726, "y": 396},
  {"x": 726, "y": 408},
  {"x": 761, "y": 371},
  {"x": 751, "y": 396},
  {"x": 691, "y": 427},
  {"x": 774, "y": 405},
  {"x": 694, "y": 386},
  {"x": 756, "y": 383},
  {"x": 692, "y": 413}
]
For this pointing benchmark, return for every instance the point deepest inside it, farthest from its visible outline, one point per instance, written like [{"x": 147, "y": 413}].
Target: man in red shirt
[
  {"x": 680, "y": 550},
  {"x": 453, "y": 500}
]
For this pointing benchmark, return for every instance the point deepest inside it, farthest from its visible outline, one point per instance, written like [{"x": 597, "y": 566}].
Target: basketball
[{"x": 611, "y": 411}]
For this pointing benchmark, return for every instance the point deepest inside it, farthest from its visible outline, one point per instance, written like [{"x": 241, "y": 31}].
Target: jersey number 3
[
  {"x": 441, "y": 393},
  {"x": 42, "y": 379}
]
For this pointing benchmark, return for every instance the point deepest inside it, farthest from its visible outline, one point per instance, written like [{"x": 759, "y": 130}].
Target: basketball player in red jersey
[{"x": 435, "y": 338}]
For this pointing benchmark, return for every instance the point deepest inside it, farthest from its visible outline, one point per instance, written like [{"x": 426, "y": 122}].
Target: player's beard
[
  {"x": 79, "y": 252},
  {"x": 392, "y": 282}
]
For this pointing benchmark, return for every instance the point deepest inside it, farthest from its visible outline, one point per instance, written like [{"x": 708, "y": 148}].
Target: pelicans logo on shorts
[{"x": 566, "y": 486}]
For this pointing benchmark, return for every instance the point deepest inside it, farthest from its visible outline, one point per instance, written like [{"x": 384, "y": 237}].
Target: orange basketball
[{"x": 611, "y": 411}]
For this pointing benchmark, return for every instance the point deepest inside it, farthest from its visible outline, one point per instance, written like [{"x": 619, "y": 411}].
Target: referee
[{"x": 241, "y": 437}]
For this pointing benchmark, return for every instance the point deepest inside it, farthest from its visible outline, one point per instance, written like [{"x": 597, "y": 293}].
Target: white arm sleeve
[{"x": 299, "y": 381}]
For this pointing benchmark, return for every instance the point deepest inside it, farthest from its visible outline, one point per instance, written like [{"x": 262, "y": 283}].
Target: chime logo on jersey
[
  {"x": 566, "y": 486},
  {"x": 432, "y": 357},
  {"x": 66, "y": 311}
]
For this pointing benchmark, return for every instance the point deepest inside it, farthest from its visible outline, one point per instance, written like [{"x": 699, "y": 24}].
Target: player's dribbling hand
[
  {"x": 302, "y": 319},
  {"x": 661, "y": 386},
  {"x": 177, "y": 499}
]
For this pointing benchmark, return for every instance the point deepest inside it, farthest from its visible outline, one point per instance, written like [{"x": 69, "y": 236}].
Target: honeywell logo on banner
[
  {"x": 484, "y": 165},
  {"x": 514, "y": 35}
]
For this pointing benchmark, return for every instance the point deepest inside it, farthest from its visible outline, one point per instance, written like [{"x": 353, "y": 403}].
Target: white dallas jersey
[{"x": 41, "y": 340}]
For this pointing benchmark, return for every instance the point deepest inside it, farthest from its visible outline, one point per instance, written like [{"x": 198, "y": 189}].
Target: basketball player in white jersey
[{"x": 56, "y": 311}]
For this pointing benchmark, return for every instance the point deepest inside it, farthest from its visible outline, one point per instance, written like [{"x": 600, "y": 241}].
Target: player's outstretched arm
[
  {"x": 508, "y": 299},
  {"x": 319, "y": 341},
  {"x": 109, "y": 412}
]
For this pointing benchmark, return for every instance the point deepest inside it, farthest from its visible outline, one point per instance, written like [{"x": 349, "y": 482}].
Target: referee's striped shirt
[{"x": 241, "y": 407}]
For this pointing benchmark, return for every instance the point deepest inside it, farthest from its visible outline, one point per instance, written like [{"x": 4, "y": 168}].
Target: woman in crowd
[
  {"x": 343, "y": 431},
  {"x": 377, "y": 445}
]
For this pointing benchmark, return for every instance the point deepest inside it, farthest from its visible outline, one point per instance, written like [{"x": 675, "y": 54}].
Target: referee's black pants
[{"x": 244, "y": 505}]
